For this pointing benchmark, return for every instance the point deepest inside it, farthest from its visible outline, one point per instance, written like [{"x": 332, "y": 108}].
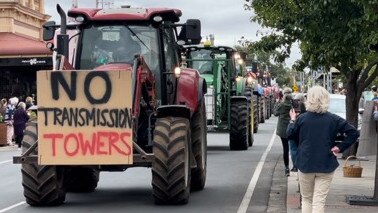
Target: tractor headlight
[
  {"x": 240, "y": 61},
  {"x": 236, "y": 56},
  {"x": 177, "y": 72}
]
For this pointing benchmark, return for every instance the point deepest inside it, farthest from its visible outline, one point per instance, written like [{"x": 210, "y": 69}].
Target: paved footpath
[{"x": 341, "y": 187}]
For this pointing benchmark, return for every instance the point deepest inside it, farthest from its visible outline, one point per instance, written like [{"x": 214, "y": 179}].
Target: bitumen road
[{"x": 237, "y": 182}]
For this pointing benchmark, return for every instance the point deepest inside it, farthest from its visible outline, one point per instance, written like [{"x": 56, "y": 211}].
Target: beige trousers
[
  {"x": 10, "y": 134},
  {"x": 314, "y": 188}
]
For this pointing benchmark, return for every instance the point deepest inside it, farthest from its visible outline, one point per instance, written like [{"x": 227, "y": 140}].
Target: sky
[{"x": 226, "y": 19}]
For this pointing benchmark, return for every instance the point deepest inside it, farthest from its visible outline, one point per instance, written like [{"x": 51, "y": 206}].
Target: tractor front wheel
[
  {"x": 239, "y": 125},
  {"x": 43, "y": 185},
  {"x": 171, "y": 167}
]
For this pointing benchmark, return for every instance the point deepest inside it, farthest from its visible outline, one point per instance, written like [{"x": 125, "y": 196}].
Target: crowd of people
[
  {"x": 15, "y": 114},
  {"x": 308, "y": 132}
]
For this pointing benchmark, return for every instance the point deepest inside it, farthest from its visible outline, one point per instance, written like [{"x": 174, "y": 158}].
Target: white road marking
[
  {"x": 252, "y": 184},
  {"x": 12, "y": 207},
  {"x": 6, "y": 161}
]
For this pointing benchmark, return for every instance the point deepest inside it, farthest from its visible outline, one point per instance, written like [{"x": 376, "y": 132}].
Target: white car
[{"x": 337, "y": 106}]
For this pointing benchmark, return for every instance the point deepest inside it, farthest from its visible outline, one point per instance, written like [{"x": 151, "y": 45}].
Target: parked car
[{"x": 337, "y": 106}]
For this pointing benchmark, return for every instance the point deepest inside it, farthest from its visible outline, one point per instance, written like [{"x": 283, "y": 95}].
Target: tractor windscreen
[
  {"x": 118, "y": 44},
  {"x": 202, "y": 61}
]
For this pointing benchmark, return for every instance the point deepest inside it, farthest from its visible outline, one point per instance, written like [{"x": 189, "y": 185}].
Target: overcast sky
[{"x": 226, "y": 19}]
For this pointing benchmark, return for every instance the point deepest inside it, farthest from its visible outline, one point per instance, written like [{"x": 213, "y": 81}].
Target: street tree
[{"x": 331, "y": 33}]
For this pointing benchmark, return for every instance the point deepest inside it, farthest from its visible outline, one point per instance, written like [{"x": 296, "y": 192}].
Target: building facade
[{"x": 22, "y": 51}]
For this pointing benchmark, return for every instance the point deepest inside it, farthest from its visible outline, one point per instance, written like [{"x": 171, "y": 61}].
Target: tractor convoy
[{"x": 132, "y": 87}]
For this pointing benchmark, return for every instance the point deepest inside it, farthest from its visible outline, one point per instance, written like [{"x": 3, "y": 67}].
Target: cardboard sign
[{"x": 84, "y": 117}]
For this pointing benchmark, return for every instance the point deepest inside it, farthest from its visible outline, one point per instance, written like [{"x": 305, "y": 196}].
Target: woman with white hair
[
  {"x": 20, "y": 118},
  {"x": 315, "y": 132}
]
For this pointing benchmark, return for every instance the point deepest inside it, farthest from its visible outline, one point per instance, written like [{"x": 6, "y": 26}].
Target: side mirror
[
  {"x": 48, "y": 30},
  {"x": 191, "y": 32},
  {"x": 361, "y": 110}
]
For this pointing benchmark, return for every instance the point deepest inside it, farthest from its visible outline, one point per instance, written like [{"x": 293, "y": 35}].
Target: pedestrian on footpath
[
  {"x": 20, "y": 118},
  {"x": 282, "y": 110},
  {"x": 3, "y": 108},
  {"x": 29, "y": 102},
  {"x": 300, "y": 109},
  {"x": 8, "y": 118},
  {"x": 315, "y": 131}
]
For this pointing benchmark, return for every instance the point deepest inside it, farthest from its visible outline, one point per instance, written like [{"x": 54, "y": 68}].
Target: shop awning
[
  {"x": 18, "y": 50},
  {"x": 19, "y": 46}
]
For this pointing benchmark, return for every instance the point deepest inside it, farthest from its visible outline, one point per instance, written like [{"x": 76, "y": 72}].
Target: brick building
[{"x": 22, "y": 51}]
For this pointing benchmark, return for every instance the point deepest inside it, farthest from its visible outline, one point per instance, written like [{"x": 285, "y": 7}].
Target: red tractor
[{"x": 90, "y": 120}]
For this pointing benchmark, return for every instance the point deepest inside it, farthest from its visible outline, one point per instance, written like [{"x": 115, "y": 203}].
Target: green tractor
[{"x": 229, "y": 98}]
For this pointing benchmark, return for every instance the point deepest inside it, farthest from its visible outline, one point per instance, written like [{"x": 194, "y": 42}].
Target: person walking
[
  {"x": 300, "y": 100},
  {"x": 8, "y": 118},
  {"x": 282, "y": 109},
  {"x": 20, "y": 117},
  {"x": 315, "y": 132},
  {"x": 29, "y": 102},
  {"x": 3, "y": 107}
]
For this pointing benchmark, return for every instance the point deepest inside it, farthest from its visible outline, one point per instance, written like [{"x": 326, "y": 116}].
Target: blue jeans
[{"x": 293, "y": 151}]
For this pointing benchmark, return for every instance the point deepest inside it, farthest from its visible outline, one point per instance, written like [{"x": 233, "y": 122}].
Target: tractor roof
[
  {"x": 126, "y": 14},
  {"x": 216, "y": 48}
]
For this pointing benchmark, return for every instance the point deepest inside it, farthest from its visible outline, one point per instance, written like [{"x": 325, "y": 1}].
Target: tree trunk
[{"x": 352, "y": 100}]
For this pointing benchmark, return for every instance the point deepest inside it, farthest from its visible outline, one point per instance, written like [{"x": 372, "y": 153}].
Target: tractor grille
[{"x": 210, "y": 104}]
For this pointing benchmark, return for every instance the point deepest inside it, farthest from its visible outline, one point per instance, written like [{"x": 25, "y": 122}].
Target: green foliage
[{"x": 331, "y": 32}]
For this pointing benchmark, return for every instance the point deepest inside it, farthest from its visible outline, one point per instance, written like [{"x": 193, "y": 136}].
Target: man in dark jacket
[
  {"x": 315, "y": 131},
  {"x": 20, "y": 118}
]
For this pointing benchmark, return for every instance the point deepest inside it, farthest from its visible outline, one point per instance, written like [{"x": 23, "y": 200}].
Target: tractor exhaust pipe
[{"x": 62, "y": 38}]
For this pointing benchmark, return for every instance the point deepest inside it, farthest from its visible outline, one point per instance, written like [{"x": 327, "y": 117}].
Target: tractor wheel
[
  {"x": 81, "y": 179},
  {"x": 171, "y": 167},
  {"x": 267, "y": 104},
  {"x": 255, "y": 115},
  {"x": 43, "y": 185},
  {"x": 248, "y": 94},
  {"x": 262, "y": 112},
  {"x": 199, "y": 148},
  {"x": 239, "y": 125}
]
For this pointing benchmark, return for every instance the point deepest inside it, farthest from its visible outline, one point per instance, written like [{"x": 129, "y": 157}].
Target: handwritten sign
[{"x": 84, "y": 117}]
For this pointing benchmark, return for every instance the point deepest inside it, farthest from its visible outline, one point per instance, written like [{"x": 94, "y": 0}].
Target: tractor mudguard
[
  {"x": 238, "y": 98},
  {"x": 173, "y": 111},
  {"x": 188, "y": 89}
]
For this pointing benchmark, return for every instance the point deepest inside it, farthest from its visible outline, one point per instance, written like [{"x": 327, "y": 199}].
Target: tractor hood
[
  {"x": 209, "y": 78},
  {"x": 115, "y": 67}
]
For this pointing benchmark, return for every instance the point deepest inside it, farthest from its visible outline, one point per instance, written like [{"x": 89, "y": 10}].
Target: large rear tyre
[
  {"x": 199, "y": 148},
  {"x": 171, "y": 167},
  {"x": 262, "y": 111},
  {"x": 248, "y": 94},
  {"x": 81, "y": 179},
  {"x": 43, "y": 185},
  {"x": 255, "y": 115},
  {"x": 239, "y": 125}
]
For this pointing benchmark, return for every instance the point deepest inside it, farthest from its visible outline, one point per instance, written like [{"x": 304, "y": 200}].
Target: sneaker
[
  {"x": 294, "y": 169},
  {"x": 287, "y": 172}
]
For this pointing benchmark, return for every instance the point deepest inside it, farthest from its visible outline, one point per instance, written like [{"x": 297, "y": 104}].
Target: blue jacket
[{"x": 315, "y": 134}]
